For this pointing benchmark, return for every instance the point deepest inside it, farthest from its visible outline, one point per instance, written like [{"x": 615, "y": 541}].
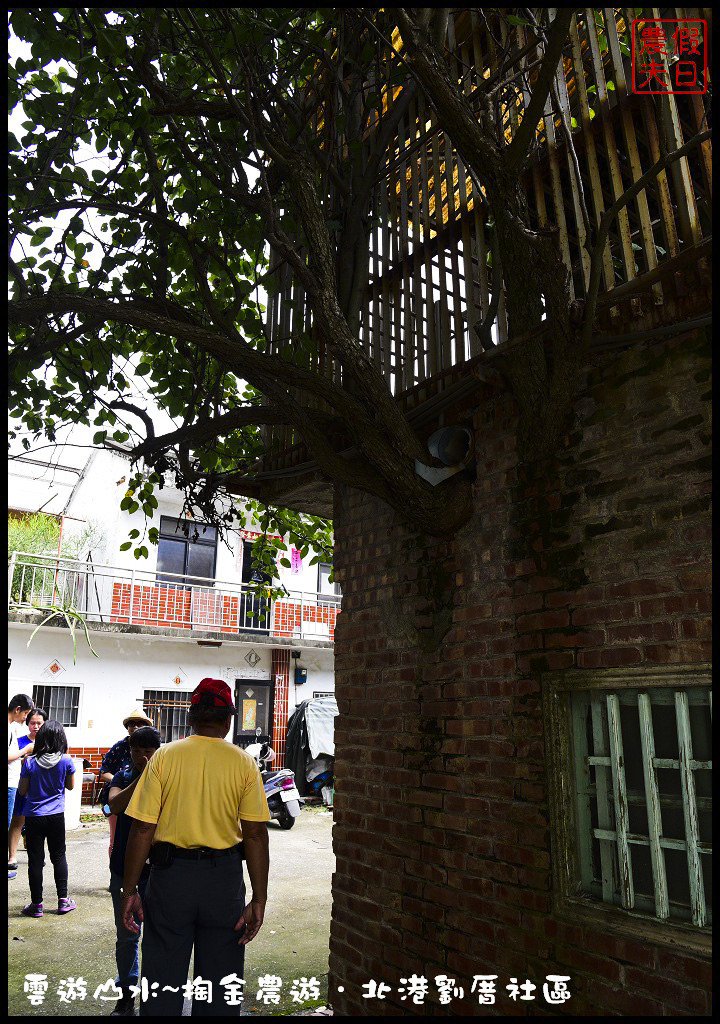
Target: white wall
[
  {"x": 112, "y": 684},
  {"x": 98, "y": 496}
]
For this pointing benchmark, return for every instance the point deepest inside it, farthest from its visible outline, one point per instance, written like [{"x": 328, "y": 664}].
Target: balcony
[{"x": 118, "y": 596}]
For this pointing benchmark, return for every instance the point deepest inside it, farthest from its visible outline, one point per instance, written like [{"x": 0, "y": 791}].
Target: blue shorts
[{"x": 12, "y": 793}]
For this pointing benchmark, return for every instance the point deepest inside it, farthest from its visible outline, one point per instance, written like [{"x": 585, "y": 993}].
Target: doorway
[
  {"x": 254, "y": 609},
  {"x": 254, "y": 700}
]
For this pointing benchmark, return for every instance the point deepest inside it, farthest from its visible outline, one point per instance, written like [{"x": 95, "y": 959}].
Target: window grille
[
  {"x": 169, "y": 711},
  {"x": 60, "y": 702},
  {"x": 643, "y": 771}
]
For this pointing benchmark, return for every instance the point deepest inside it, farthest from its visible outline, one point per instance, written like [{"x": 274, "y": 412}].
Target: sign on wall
[
  {"x": 53, "y": 670},
  {"x": 249, "y": 714}
]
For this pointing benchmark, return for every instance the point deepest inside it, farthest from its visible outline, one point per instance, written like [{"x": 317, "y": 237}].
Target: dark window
[
  {"x": 254, "y": 608},
  {"x": 60, "y": 702},
  {"x": 168, "y": 710},
  {"x": 185, "y": 548}
]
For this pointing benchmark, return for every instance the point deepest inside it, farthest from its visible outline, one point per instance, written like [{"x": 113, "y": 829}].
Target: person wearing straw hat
[
  {"x": 199, "y": 810},
  {"x": 119, "y": 759}
]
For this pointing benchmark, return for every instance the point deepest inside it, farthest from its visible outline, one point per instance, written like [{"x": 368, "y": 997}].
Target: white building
[{"x": 158, "y": 625}]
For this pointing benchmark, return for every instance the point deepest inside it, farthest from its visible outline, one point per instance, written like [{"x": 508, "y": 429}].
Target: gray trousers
[{"x": 192, "y": 903}]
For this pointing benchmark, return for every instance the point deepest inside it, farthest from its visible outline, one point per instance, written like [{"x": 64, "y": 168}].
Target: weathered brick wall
[{"x": 442, "y": 833}]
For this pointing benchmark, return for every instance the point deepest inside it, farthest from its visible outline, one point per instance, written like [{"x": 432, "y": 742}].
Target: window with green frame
[{"x": 632, "y": 774}]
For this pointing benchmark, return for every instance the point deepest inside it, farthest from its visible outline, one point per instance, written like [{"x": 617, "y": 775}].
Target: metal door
[
  {"x": 254, "y": 703},
  {"x": 254, "y": 608}
]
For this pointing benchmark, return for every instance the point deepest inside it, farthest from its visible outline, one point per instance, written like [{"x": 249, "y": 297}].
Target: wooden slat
[
  {"x": 586, "y": 133},
  {"x": 654, "y": 814},
  {"x": 690, "y": 815},
  {"x": 604, "y": 799},
  {"x": 611, "y": 152},
  {"x": 405, "y": 339},
  {"x": 471, "y": 303},
  {"x": 627, "y": 893},
  {"x": 418, "y": 297},
  {"x": 680, "y": 169},
  {"x": 579, "y": 710},
  {"x": 557, "y": 190},
  {"x": 452, "y": 249},
  {"x": 575, "y": 185},
  {"x": 442, "y": 324},
  {"x": 385, "y": 285},
  {"x": 661, "y": 182},
  {"x": 376, "y": 287},
  {"x": 631, "y": 148},
  {"x": 431, "y": 361}
]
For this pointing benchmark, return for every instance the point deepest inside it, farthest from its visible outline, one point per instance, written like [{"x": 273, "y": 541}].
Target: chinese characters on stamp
[{"x": 669, "y": 56}]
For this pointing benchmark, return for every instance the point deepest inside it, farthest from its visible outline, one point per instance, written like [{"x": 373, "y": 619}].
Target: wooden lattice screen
[{"x": 430, "y": 253}]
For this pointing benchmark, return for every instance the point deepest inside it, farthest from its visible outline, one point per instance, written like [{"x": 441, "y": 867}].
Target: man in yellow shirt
[{"x": 199, "y": 808}]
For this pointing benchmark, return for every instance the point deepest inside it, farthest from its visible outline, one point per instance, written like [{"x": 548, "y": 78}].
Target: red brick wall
[
  {"x": 600, "y": 558},
  {"x": 94, "y": 755},
  {"x": 281, "y": 682}
]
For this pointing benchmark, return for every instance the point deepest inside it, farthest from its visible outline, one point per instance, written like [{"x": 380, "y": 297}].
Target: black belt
[{"x": 204, "y": 852}]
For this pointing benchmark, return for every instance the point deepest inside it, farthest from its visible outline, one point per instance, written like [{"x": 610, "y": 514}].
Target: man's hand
[
  {"x": 251, "y": 921},
  {"x": 131, "y": 908}
]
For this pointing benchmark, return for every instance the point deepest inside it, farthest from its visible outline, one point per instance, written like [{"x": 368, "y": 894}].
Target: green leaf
[{"x": 126, "y": 545}]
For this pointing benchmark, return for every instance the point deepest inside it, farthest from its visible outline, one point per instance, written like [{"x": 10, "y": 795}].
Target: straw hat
[{"x": 137, "y": 715}]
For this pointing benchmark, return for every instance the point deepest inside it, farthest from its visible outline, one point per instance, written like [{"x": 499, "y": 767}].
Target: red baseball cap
[{"x": 213, "y": 693}]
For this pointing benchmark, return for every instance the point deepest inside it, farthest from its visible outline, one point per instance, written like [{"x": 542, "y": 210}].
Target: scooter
[{"x": 284, "y": 801}]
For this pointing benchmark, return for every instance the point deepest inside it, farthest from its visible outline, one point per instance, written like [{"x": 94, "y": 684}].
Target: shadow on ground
[{"x": 293, "y": 943}]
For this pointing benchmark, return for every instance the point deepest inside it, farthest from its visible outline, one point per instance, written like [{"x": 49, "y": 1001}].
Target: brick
[
  {"x": 543, "y": 620},
  {"x": 685, "y": 968},
  {"x": 466, "y": 715},
  {"x": 589, "y": 614},
  {"x": 685, "y": 997}
]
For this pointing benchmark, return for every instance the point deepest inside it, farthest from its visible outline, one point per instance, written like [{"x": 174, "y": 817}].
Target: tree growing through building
[{"x": 165, "y": 153}]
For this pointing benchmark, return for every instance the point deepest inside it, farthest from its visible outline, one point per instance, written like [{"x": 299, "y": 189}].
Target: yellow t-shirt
[{"x": 197, "y": 790}]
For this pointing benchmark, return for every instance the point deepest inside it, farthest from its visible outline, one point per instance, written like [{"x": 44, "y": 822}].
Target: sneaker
[
  {"x": 33, "y": 910},
  {"x": 12, "y": 874},
  {"x": 12, "y": 865},
  {"x": 124, "y": 1007},
  {"x": 66, "y": 905}
]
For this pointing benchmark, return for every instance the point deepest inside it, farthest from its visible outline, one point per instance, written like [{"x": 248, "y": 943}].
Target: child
[
  {"x": 34, "y": 721},
  {"x": 43, "y": 780}
]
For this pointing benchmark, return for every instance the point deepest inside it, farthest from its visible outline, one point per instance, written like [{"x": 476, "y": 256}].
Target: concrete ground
[{"x": 292, "y": 944}]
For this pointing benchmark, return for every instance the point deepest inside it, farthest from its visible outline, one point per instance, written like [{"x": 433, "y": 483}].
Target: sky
[{"x": 31, "y": 485}]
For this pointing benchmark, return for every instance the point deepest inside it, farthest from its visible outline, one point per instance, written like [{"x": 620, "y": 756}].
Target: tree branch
[
  {"x": 557, "y": 37},
  {"x": 207, "y": 430}
]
